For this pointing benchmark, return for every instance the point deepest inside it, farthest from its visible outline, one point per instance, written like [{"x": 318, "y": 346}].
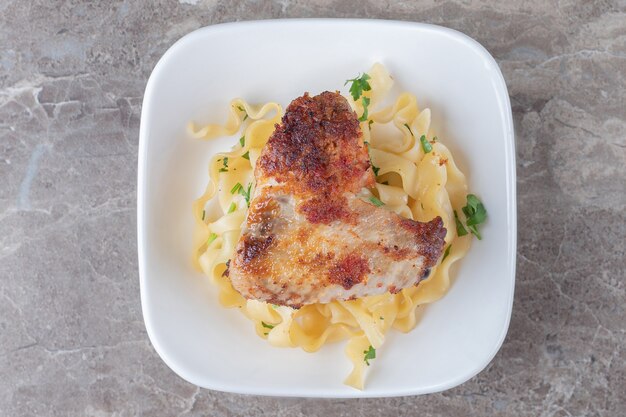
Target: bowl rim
[{"x": 510, "y": 183}]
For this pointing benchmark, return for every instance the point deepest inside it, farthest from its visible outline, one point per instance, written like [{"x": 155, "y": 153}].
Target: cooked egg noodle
[{"x": 417, "y": 185}]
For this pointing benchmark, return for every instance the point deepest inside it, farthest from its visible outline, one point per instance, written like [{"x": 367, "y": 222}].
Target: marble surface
[{"x": 72, "y": 338}]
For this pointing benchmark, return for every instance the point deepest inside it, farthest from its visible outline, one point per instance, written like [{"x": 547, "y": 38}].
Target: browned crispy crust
[
  {"x": 251, "y": 252},
  {"x": 326, "y": 209},
  {"x": 349, "y": 271},
  {"x": 317, "y": 155},
  {"x": 316, "y": 148},
  {"x": 253, "y": 249},
  {"x": 430, "y": 237}
]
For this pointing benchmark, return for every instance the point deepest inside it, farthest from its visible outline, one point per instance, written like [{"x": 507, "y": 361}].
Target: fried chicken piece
[{"x": 308, "y": 237}]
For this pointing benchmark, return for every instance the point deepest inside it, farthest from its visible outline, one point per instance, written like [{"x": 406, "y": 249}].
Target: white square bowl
[{"x": 217, "y": 348}]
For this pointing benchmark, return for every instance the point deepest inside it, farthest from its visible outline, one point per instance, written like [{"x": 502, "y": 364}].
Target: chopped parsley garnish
[
  {"x": 359, "y": 84},
  {"x": 408, "y": 127},
  {"x": 376, "y": 201},
  {"x": 369, "y": 354},
  {"x": 246, "y": 155},
  {"x": 374, "y": 167},
  {"x": 369, "y": 124},
  {"x": 475, "y": 213},
  {"x": 232, "y": 207},
  {"x": 426, "y": 146},
  {"x": 244, "y": 111},
  {"x": 435, "y": 139},
  {"x": 446, "y": 253},
  {"x": 212, "y": 237},
  {"x": 381, "y": 318},
  {"x": 460, "y": 230},
  {"x": 242, "y": 140},
  {"x": 245, "y": 193},
  {"x": 366, "y": 102},
  {"x": 236, "y": 188},
  {"x": 267, "y": 326},
  {"x": 224, "y": 168},
  {"x": 203, "y": 214}
]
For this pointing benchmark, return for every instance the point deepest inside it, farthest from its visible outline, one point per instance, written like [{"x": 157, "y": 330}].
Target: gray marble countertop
[{"x": 72, "y": 338}]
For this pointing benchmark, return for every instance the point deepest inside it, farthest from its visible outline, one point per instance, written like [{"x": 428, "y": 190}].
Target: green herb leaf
[
  {"x": 475, "y": 213},
  {"x": 212, "y": 237},
  {"x": 369, "y": 354},
  {"x": 374, "y": 167},
  {"x": 359, "y": 84},
  {"x": 366, "y": 102},
  {"x": 369, "y": 124},
  {"x": 242, "y": 140},
  {"x": 224, "y": 168},
  {"x": 244, "y": 111},
  {"x": 381, "y": 318},
  {"x": 232, "y": 207},
  {"x": 376, "y": 201},
  {"x": 203, "y": 214},
  {"x": 246, "y": 193},
  {"x": 426, "y": 146},
  {"x": 246, "y": 155},
  {"x": 435, "y": 139},
  {"x": 474, "y": 210},
  {"x": 408, "y": 127},
  {"x": 460, "y": 230},
  {"x": 475, "y": 232},
  {"x": 267, "y": 326},
  {"x": 446, "y": 253},
  {"x": 236, "y": 188}
]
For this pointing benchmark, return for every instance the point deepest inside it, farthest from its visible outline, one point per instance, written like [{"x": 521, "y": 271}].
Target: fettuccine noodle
[{"x": 410, "y": 182}]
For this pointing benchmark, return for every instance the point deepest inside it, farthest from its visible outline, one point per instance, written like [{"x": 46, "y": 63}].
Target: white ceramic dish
[{"x": 217, "y": 348}]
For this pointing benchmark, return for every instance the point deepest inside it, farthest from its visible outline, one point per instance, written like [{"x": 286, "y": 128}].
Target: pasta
[{"x": 411, "y": 182}]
